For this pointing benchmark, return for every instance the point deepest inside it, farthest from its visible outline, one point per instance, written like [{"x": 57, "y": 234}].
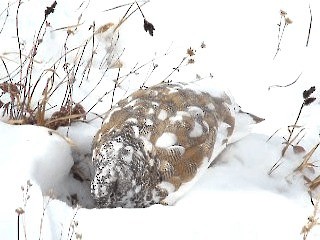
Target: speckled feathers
[{"x": 156, "y": 142}]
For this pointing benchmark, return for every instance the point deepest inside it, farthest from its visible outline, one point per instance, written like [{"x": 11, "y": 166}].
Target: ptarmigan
[{"x": 156, "y": 143}]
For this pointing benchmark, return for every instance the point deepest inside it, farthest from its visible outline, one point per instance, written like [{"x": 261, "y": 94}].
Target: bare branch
[
  {"x": 310, "y": 25},
  {"x": 281, "y": 86}
]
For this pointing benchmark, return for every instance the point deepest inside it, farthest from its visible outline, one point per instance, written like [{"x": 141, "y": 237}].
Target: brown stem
[{"x": 309, "y": 26}]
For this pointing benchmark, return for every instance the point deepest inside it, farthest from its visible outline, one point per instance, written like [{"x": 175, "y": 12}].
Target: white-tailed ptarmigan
[{"x": 156, "y": 143}]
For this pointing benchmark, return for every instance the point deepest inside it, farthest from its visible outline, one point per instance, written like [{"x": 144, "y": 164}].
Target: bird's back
[{"x": 154, "y": 144}]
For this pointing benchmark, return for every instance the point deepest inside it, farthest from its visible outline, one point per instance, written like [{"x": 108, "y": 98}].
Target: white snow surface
[
  {"x": 167, "y": 139},
  {"x": 196, "y": 131},
  {"x": 236, "y": 198}
]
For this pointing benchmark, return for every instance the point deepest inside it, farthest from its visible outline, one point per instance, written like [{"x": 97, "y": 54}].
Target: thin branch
[
  {"x": 140, "y": 10},
  {"x": 18, "y": 226},
  {"x": 80, "y": 59},
  {"x": 310, "y": 25},
  {"x": 6, "y": 17},
  {"x": 126, "y": 15},
  {"x": 272, "y": 135},
  {"x": 281, "y": 86},
  {"x": 114, "y": 89},
  {"x": 18, "y": 38},
  {"x": 125, "y": 19},
  {"x": 123, "y": 5},
  {"x": 92, "y": 51},
  {"x": 70, "y": 233},
  {"x": 5, "y": 66},
  {"x": 279, "y": 40},
  {"x": 175, "y": 69},
  {"x": 288, "y": 142}
]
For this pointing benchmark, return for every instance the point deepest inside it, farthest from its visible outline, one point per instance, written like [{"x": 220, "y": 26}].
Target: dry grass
[
  {"x": 308, "y": 164},
  {"x": 21, "y": 210},
  {"x": 294, "y": 137},
  {"x": 28, "y": 97},
  {"x": 18, "y": 99},
  {"x": 313, "y": 220},
  {"x": 20, "y": 102},
  {"x": 282, "y": 25}
]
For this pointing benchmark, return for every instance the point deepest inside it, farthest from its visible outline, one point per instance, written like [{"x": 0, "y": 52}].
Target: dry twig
[{"x": 307, "y": 100}]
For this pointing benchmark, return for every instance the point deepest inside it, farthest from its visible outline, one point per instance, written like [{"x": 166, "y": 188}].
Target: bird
[{"x": 155, "y": 144}]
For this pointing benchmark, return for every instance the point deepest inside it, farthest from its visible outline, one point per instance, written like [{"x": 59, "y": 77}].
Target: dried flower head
[
  {"x": 78, "y": 236},
  {"x": 29, "y": 183},
  {"x": 148, "y": 27},
  {"x": 283, "y": 13},
  {"x": 19, "y": 211},
  {"x": 298, "y": 149},
  {"x": 190, "y": 51},
  {"x": 307, "y": 93},
  {"x": 190, "y": 61},
  {"x": 50, "y": 9},
  {"x": 308, "y": 101},
  {"x": 288, "y": 21}
]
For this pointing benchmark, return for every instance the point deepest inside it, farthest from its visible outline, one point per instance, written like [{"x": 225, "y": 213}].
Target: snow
[
  {"x": 163, "y": 114},
  {"x": 179, "y": 116},
  {"x": 196, "y": 131},
  {"x": 167, "y": 139},
  {"x": 195, "y": 111},
  {"x": 236, "y": 198}
]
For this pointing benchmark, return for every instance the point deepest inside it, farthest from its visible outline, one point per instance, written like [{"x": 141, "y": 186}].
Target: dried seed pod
[
  {"x": 283, "y": 13},
  {"x": 307, "y": 93},
  {"x": 190, "y": 52},
  {"x": 19, "y": 211},
  {"x": 148, "y": 27},
  {"x": 288, "y": 21},
  {"x": 308, "y": 101},
  {"x": 50, "y": 9}
]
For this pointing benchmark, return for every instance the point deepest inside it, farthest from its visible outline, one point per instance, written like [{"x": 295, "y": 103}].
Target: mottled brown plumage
[{"x": 157, "y": 141}]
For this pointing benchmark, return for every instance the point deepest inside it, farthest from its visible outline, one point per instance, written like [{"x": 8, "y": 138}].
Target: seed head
[
  {"x": 19, "y": 211},
  {"x": 283, "y": 13},
  {"x": 288, "y": 21},
  {"x": 307, "y": 93},
  {"x": 308, "y": 101}
]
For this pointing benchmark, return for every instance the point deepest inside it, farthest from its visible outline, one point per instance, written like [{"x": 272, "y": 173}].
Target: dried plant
[
  {"x": 148, "y": 27},
  {"x": 310, "y": 25},
  {"x": 189, "y": 58},
  {"x": 17, "y": 98},
  {"x": 73, "y": 226},
  {"x": 306, "y": 163},
  {"x": 45, "y": 203},
  {"x": 293, "y": 136},
  {"x": 21, "y": 210},
  {"x": 19, "y": 101},
  {"x": 287, "y": 85},
  {"x": 313, "y": 220},
  {"x": 4, "y": 19},
  {"x": 283, "y": 23}
]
